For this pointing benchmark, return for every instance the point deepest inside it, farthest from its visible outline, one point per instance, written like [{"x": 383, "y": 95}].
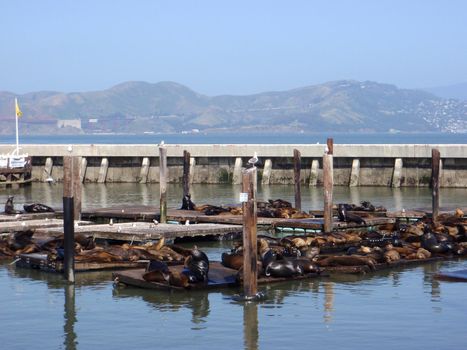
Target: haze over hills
[
  {"x": 457, "y": 91},
  {"x": 137, "y": 107}
]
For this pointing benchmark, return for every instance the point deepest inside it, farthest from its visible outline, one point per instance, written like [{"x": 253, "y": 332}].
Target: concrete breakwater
[{"x": 394, "y": 165}]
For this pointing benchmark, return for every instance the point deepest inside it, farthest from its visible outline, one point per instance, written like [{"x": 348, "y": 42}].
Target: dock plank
[
  {"x": 26, "y": 216},
  {"x": 144, "y": 231},
  {"x": 17, "y": 226}
]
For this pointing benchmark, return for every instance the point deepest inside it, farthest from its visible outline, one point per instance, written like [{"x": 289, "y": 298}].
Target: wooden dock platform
[
  {"x": 7, "y": 227},
  {"x": 145, "y": 231},
  {"x": 219, "y": 276},
  {"x": 364, "y": 269},
  {"x": 147, "y": 213},
  {"x": 39, "y": 261},
  {"x": 26, "y": 216}
]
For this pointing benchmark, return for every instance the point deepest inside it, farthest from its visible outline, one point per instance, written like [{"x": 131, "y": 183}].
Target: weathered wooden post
[
  {"x": 68, "y": 218},
  {"x": 163, "y": 183},
  {"x": 435, "y": 160},
  {"x": 328, "y": 183},
  {"x": 248, "y": 199},
  {"x": 186, "y": 173},
  {"x": 297, "y": 166}
]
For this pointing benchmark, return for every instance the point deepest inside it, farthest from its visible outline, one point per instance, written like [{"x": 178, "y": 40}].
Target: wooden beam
[
  {"x": 68, "y": 219},
  {"x": 186, "y": 173},
  {"x": 435, "y": 160},
  {"x": 328, "y": 182},
  {"x": 163, "y": 183},
  {"x": 297, "y": 162}
]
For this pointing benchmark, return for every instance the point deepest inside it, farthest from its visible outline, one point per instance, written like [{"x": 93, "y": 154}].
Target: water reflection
[
  {"x": 328, "y": 301},
  {"x": 166, "y": 301},
  {"x": 250, "y": 325},
  {"x": 71, "y": 340},
  {"x": 101, "y": 195}
]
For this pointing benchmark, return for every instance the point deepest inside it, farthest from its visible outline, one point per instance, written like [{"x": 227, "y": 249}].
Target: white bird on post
[
  {"x": 326, "y": 149},
  {"x": 252, "y": 161}
]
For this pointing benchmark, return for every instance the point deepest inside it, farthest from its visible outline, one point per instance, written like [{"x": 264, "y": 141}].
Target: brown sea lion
[
  {"x": 156, "y": 271},
  {"x": 345, "y": 260},
  {"x": 232, "y": 260}
]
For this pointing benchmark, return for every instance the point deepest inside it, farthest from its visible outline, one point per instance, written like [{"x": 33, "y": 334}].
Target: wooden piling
[
  {"x": 435, "y": 161},
  {"x": 330, "y": 145},
  {"x": 103, "y": 170},
  {"x": 297, "y": 166},
  {"x": 267, "y": 172},
  {"x": 143, "y": 175},
  {"x": 82, "y": 172},
  {"x": 48, "y": 168},
  {"x": 250, "y": 273},
  {"x": 77, "y": 187},
  {"x": 328, "y": 182},
  {"x": 163, "y": 183},
  {"x": 186, "y": 173},
  {"x": 314, "y": 172},
  {"x": 68, "y": 219},
  {"x": 237, "y": 173}
]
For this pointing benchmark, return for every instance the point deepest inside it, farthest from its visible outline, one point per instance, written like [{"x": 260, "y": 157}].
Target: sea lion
[
  {"x": 232, "y": 260},
  {"x": 430, "y": 242},
  {"x": 345, "y": 260},
  {"x": 344, "y": 215},
  {"x": 197, "y": 263},
  {"x": 37, "y": 208},
  {"x": 9, "y": 206},
  {"x": 187, "y": 204},
  {"x": 284, "y": 268},
  {"x": 156, "y": 271}
]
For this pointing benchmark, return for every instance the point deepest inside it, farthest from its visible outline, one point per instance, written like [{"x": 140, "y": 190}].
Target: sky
[{"x": 230, "y": 47}]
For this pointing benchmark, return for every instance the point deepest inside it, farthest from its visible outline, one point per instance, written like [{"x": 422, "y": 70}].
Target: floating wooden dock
[
  {"x": 364, "y": 269},
  {"x": 219, "y": 276},
  {"x": 454, "y": 276},
  {"x": 17, "y": 226},
  {"x": 148, "y": 213},
  {"x": 144, "y": 231},
  {"x": 26, "y": 216},
  {"x": 39, "y": 261}
]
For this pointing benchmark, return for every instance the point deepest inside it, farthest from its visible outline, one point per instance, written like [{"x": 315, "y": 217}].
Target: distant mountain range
[{"x": 166, "y": 107}]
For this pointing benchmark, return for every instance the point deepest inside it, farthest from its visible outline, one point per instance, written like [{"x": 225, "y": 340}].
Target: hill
[
  {"x": 456, "y": 91},
  {"x": 137, "y": 107}
]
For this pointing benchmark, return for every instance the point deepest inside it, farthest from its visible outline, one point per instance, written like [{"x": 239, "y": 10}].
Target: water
[
  {"x": 201, "y": 138},
  {"x": 389, "y": 309}
]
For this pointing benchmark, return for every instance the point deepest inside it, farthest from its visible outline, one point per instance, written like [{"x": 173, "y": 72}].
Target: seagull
[
  {"x": 155, "y": 222},
  {"x": 253, "y": 161},
  {"x": 161, "y": 144},
  {"x": 50, "y": 180},
  {"x": 326, "y": 149},
  {"x": 187, "y": 223}
]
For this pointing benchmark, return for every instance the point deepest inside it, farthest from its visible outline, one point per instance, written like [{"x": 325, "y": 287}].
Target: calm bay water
[
  {"x": 403, "y": 307},
  {"x": 240, "y": 138}
]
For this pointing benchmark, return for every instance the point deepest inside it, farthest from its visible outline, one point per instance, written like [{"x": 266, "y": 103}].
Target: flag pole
[{"x": 16, "y": 118}]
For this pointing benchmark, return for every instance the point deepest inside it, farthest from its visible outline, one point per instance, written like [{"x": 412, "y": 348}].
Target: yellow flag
[{"x": 18, "y": 111}]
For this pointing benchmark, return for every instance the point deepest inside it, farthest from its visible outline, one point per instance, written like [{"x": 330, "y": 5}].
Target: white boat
[{"x": 15, "y": 168}]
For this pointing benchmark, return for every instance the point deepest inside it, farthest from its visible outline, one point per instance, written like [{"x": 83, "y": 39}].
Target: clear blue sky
[{"x": 230, "y": 47}]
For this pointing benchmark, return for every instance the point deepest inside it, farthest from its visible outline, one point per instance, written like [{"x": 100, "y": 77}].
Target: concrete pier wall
[{"x": 379, "y": 165}]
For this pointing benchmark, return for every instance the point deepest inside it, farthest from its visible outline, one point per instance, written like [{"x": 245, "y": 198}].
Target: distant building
[{"x": 74, "y": 123}]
